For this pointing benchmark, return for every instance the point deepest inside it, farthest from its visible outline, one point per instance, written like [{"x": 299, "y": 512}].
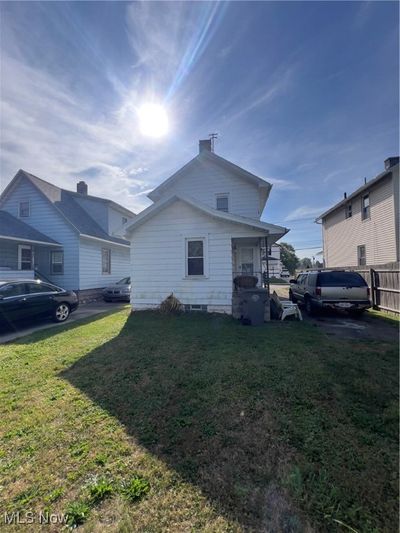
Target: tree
[
  {"x": 305, "y": 263},
  {"x": 289, "y": 258}
]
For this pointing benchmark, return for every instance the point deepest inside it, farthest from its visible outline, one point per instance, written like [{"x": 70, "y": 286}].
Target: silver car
[
  {"x": 119, "y": 291},
  {"x": 334, "y": 289}
]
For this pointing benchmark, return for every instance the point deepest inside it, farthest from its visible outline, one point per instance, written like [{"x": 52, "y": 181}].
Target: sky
[{"x": 302, "y": 94}]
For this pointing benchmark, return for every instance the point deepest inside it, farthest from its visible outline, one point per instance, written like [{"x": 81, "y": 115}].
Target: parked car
[
  {"x": 30, "y": 298},
  {"x": 331, "y": 289},
  {"x": 119, "y": 291}
]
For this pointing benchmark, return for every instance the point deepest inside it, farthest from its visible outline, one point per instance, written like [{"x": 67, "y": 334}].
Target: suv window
[
  {"x": 340, "y": 279},
  {"x": 12, "y": 289}
]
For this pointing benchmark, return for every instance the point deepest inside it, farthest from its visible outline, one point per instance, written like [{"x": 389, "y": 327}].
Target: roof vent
[
  {"x": 205, "y": 145},
  {"x": 391, "y": 162},
  {"x": 81, "y": 187}
]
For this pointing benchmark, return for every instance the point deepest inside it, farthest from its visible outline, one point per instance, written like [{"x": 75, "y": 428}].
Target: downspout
[{"x": 267, "y": 260}]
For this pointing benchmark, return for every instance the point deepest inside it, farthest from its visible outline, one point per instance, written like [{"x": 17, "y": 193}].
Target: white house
[{"x": 202, "y": 230}]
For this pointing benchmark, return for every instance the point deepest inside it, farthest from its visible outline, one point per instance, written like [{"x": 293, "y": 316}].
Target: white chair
[{"x": 286, "y": 308}]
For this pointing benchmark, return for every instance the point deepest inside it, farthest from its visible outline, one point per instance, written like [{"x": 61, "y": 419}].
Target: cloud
[
  {"x": 305, "y": 212},
  {"x": 282, "y": 184}
]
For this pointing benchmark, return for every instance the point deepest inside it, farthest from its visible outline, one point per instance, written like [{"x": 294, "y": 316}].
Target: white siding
[
  {"x": 341, "y": 236},
  {"x": 158, "y": 259},
  {"x": 91, "y": 276},
  {"x": 45, "y": 218},
  {"x": 203, "y": 180},
  {"x": 115, "y": 221}
]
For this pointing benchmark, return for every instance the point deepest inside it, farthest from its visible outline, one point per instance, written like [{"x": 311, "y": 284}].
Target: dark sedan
[{"x": 22, "y": 299}]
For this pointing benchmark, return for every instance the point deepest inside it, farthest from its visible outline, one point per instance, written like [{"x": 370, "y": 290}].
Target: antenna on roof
[
  {"x": 365, "y": 181},
  {"x": 213, "y": 136}
]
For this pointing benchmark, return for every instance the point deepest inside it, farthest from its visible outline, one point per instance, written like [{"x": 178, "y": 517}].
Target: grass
[
  {"x": 196, "y": 423},
  {"x": 390, "y": 318}
]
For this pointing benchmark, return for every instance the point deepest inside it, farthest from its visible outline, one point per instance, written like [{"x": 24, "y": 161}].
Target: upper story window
[
  {"x": 195, "y": 257},
  {"x": 222, "y": 202},
  {"x": 124, "y": 220},
  {"x": 349, "y": 210},
  {"x": 105, "y": 261},
  {"x": 365, "y": 207},
  {"x": 24, "y": 209}
]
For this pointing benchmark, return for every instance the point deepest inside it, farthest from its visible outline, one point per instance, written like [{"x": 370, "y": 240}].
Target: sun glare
[{"x": 153, "y": 120}]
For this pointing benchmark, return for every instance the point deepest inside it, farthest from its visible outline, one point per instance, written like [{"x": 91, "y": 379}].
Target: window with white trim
[
  {"x": 361, "y": 255},
  {"x": 24, "y": 208},
  {"x": 105, "y": 261},
  {"x": 365, "y": 207},
  {"x": 57, "y": 262},
  {"x": 222, "y": 202},
  {"x": 195, "y": 257}
]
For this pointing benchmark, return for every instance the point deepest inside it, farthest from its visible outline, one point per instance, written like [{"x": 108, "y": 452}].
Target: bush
[
  {"x": 99, "y": 489},
  {"x": 171, "y": 304},
  {"x": 135, "y": 488},
  {"x": 77, "y": 513}
]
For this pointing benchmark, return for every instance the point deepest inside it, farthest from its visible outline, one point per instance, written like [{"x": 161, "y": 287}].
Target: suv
[{"x": 335, "y": 289}]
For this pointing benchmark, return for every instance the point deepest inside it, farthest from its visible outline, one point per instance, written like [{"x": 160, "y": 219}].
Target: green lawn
[{"x": 195, "y": 423}]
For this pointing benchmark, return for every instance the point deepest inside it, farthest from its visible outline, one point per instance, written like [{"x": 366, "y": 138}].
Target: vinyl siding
[
  {"x": 115, "y": 221},
  {"x": 158, "y": 259},
  {"x": 45, "y": 218},
  {"x": 204, "y": 180},
  {"x": 90, "y": 254},
  {"x": 342, "y": 236}
]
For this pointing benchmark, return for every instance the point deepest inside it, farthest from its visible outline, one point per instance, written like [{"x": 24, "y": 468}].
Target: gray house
[
  {"x": 69, "y": 238},
  {"x": 363, "y": 228}
]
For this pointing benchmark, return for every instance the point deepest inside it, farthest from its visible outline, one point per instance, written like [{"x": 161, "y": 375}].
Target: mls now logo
[{"x": 29, "y": 517}]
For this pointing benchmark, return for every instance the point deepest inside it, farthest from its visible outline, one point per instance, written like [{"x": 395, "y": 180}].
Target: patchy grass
[
  {"x": 196, "y": 423},
  {"x": 390, "y": 318}
]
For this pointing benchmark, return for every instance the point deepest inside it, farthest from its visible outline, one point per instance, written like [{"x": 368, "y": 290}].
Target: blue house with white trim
[{"x": 70, "y": 238}]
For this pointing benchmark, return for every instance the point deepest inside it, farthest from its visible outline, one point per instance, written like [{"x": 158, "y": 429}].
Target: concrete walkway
[{"x": 25, "y": 327}]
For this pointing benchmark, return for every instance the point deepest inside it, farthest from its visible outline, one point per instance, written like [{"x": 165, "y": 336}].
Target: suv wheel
[
  {"x": 309, "y": 305},
  {"x": 61, "y": 312}
]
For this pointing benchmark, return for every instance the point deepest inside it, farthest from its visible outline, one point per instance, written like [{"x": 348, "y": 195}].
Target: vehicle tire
[
  {"x": 106, "y": 300},
  {"x": 310, "y": 309},
  {"x": 61, "y": 312},
  {"x": 292, "y": 298}
]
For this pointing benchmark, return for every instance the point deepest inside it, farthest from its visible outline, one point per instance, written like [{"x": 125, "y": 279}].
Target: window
[
  {"x": 349, "y": 211},
  {"x": 222, "y": 202},
  {"x": 25, "y": 257},
  {"x": 365, "y": 209},
  {"x": 124, "y": 220},
  {"x": 106, "y": 261},
  {"x": 24, "y": 209},
  {"x": 57, "y": 262},
  {"x": 362, "y": 255},
  {"x": 195, "y": 257},
  {"x": 12, "y": 289},
  {"x": 340, "y": 279}
]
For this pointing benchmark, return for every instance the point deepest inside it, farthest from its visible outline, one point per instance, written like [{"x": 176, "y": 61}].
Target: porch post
[{"x": 267, "y": 260}]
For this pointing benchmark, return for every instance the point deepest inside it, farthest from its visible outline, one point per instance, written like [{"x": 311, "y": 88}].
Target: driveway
[
  {"x": 84, "y": 310},
  {"x": 340, "y": 324}
]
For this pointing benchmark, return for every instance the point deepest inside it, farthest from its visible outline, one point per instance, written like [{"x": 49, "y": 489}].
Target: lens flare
[{"x": 153, "y": 120}]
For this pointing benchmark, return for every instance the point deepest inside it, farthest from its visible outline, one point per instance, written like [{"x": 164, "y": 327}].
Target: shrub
[
  {"x": 77, "y": 513},
  {"x": 171, "y": 304},
  {"x": 100, "y": 489}
]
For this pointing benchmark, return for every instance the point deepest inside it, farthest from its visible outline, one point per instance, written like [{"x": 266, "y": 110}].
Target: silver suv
[{"x": 335, "y": 289}]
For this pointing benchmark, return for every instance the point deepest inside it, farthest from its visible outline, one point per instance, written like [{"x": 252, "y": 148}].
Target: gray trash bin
[{"x": 254, "y": 306}]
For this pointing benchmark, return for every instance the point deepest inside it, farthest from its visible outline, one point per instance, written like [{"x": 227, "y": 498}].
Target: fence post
[{"x": 373, "y": 287}]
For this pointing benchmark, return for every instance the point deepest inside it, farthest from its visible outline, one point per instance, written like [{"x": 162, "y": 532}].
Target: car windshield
[
  {"x": 124, "y": 281},
  {"x": 340, "y": 279}
]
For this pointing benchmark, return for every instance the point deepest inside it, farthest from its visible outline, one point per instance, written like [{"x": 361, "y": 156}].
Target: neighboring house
[
  {"x": 203, "y": 229},
  {"x": 363, "y": 228},
  {"x": 275, "y": 265},
  {"x": 70, "y": 238}
]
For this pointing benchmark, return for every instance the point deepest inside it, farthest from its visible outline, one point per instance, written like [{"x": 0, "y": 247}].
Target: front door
[
  {"x": 246, "y": 260},
  {"x": 25, "y": 257}
]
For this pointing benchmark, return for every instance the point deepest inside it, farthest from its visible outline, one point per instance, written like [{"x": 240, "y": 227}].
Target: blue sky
[{"x": 304, "y": 94}]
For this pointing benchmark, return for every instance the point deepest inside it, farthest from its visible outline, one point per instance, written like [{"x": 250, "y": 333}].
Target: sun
[{"x": 153, "y": 120}]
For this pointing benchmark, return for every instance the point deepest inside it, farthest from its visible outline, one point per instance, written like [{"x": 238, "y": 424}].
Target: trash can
[{"x": 254, "y": 306}]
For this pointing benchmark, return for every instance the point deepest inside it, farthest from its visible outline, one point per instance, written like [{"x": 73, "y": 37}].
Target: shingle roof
[
  {"x": 12, "y": 227},
  {"x": 78, "y": 217}
]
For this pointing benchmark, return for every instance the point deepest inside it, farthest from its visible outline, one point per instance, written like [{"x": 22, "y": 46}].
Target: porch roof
[{"x": 11, "y": 228}]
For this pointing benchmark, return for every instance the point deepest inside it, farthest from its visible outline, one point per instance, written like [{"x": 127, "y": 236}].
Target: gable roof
[
  {"x": 64, "y": 201},
  {"x": 207, "y": 156},
  {"x": 12, "y": 228},
  {"x": 359, "y": 191},
  {"x": 144, "y": 216}
]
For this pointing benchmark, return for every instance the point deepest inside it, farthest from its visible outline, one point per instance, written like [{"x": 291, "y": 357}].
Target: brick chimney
[
  {"x": 81, "y": 187},
  {"x": 205, "y": 145}
]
